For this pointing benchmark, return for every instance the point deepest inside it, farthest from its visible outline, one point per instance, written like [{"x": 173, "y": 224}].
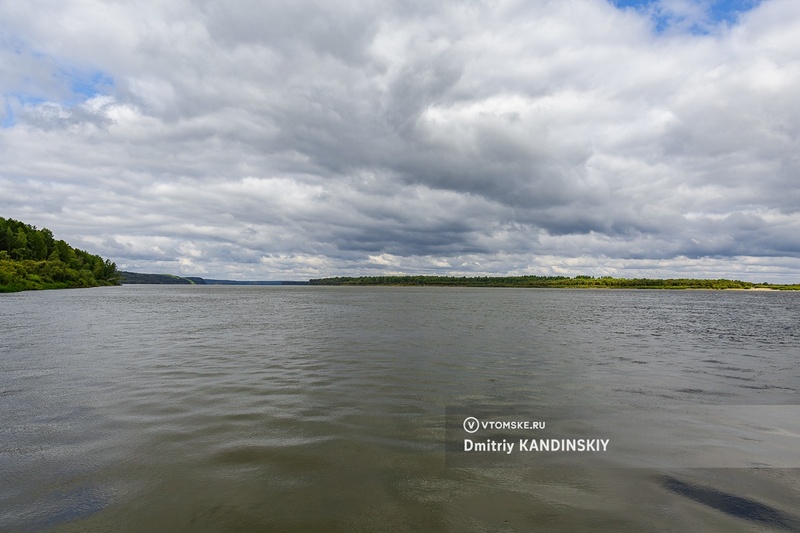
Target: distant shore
[
  {"x": 136, "y": 278},
  {"x": 543, "y": 282},
  {"x": 554, "y": 282}
]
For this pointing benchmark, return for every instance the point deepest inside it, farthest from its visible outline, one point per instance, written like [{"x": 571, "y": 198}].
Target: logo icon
[{"x": 471, "y": 424}]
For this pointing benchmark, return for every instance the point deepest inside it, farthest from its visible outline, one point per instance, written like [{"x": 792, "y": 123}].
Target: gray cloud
[{"x": 307, "y": 139}]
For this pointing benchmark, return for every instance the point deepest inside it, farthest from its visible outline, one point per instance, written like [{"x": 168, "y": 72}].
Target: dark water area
[{"x": 226, "y": 408}]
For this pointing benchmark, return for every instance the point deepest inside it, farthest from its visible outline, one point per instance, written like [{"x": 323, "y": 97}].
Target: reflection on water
[
  {"x": 323, "y": 409},
  {"x": 734, "y": 505}
]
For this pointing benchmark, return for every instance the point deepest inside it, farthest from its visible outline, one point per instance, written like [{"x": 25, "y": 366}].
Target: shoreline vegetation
[
  {"x": 549, "y": 282},
  {"x": 554, "y": 282},
  {"x": 32, "y": 259}
]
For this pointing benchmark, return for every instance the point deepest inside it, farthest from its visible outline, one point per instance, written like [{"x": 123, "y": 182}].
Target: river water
[{"x": 191, "y": 408}]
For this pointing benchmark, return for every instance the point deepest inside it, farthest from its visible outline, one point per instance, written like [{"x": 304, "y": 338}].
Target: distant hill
[
  {"x": 234, "y": 282},
  {"x": 32, "y": 259},
  {"x": 134, "y": 278}
]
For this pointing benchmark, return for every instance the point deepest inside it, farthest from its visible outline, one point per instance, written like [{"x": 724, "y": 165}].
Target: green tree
[
  {"x": 32, "y": 259},
  {"x": 38, "y": 246},
  {"x": 19, "y": 245}
]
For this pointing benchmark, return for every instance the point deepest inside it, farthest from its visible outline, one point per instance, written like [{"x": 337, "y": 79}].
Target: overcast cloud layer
[{"x": 289, "y": 140}]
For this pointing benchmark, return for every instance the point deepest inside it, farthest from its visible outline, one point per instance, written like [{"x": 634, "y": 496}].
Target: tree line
[
  {"x": 32, "y": 258},
  {"x": 565, "y": 282}
]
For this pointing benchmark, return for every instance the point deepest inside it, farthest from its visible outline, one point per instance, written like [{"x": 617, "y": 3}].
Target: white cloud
[{"x": 310, "y": 139}]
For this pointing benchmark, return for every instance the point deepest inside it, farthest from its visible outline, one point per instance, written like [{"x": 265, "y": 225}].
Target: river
[{"x": 299, "y": 408}]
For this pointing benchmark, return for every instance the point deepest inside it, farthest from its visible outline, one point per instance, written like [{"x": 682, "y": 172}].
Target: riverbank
[{"x": 561, "y": 282}]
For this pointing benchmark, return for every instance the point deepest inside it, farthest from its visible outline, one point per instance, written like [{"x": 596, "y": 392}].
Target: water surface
[{"x": 186, "y": 408}]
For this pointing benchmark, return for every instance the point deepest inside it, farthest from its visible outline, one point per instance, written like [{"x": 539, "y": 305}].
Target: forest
[
  {"x": 32, "y": 259},
  {"x": 564, "y": 282}
]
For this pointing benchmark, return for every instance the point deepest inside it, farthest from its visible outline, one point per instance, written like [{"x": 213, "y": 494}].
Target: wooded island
[{"x": 557, "y": 282}]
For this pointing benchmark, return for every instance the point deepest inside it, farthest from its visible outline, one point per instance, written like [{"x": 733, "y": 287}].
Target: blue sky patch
[
  {"x": 28, "y": 99},
  {"x": 73, "y": 87},
  {"x": 715, "y": 12},
  {"x": 8, "y": 118},
  {"x": 729, "y": 10},
  {"x": 85, "y": 85}
]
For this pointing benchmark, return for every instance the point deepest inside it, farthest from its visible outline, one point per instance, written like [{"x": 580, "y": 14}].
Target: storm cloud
[{"x": 288, "y": 140}]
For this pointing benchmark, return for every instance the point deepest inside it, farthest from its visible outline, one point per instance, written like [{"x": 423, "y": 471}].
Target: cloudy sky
[{"x": 298, "y": 139}]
